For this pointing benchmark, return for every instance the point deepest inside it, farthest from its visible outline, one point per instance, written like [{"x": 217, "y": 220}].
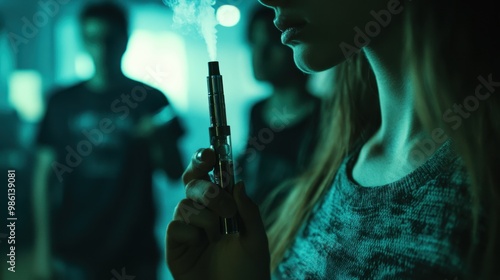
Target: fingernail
[{"x": 199, "y": 154}]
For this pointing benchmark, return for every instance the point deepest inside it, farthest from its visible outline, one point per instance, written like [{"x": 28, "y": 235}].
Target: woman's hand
[{"x": 195, "y": 247}]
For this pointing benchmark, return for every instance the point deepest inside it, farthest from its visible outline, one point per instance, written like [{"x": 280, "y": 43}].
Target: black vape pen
[{"x": 220, "y": 140}]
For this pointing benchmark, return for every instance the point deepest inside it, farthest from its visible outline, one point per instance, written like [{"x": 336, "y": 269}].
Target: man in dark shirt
[{"x": 98, "y": 145}]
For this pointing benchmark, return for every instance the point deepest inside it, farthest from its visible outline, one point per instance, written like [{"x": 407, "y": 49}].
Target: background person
[
  {"x": 98, "y": 144},
  {"x": 284, "y": 126}
]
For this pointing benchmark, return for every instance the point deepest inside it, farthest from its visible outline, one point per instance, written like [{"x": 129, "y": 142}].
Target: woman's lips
[
  {"x": 290, "y": 33},
  {"x": 290, "y": 28}
]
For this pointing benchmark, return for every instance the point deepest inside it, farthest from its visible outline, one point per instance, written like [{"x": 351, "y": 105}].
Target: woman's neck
[
  {"x": 400, "y": 126},
  {"x": 388, "y": 153}
]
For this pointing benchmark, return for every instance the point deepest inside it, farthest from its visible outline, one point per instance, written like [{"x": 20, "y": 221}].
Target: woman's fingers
[
  {"x": 182, "y": 239},
  {"x": 212, "y": 196},
  {"x": 196, "y": 215},
  {"x": 200, "y": 189},
  {"x": 201, "y": 194},
  {"x": 193, "y": 235},
  {"x": 202, "y": 162},
  {"x": 181, "y": 233}
]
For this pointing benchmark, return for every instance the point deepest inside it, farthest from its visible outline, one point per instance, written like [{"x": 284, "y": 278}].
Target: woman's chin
[{"x": 312, "y": 60}]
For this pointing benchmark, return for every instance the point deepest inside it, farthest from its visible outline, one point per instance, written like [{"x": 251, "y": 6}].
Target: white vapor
[{"x": 200, "y": 14}]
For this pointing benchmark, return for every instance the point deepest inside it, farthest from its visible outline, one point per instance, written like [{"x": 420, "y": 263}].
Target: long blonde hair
[
  {"x": 446, "y": 56},
  {"x": 451, "y": 48},
  {"x": 345, "y": 118}
]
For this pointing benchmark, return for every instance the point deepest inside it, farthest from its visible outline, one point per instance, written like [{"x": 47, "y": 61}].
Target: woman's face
[{"x": 321, "y": 31}]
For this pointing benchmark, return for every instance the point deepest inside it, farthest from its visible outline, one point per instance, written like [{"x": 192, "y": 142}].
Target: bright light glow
[
  {"x": 84, "y": 66},
  {"x": 25, "y": 94},
  {"x": 158, "y": 59},
  {"x": 228, "y": 15}
]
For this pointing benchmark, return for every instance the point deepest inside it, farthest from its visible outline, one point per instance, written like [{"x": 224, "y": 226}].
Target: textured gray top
[{"x": 415, "y": 228}]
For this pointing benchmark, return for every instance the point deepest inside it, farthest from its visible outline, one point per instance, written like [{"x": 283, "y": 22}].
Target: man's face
[
  {"x": 272, "y": 61},
  {"x": 105, "y": 43}
]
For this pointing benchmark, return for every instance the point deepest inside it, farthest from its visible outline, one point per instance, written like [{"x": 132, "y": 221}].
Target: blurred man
[
  {"x": 283, "y": 126},
  {"x": 98, "y": 144}
]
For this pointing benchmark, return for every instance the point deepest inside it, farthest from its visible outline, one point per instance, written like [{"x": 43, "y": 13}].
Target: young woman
[{"x": 414, "y": 196}]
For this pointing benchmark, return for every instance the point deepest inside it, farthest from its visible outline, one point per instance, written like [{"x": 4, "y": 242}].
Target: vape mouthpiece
[{"x": 213, "y": 68}]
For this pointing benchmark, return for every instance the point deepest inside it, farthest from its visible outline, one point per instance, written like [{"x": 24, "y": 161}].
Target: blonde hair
[
  {"x": 345, "y": 118},
  {"x": 446, "y": 56},
  {"x": 450, "y": 49}
]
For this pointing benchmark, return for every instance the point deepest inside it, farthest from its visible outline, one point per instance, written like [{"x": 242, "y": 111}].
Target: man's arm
[
  {"x": 167, "y": 157},
  {"x": 163, "y": 138},
  {"x": 41, "y": 205}
]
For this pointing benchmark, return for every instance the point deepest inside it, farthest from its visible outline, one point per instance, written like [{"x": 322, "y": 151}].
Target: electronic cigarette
[{"x": 220, "y": 141}]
